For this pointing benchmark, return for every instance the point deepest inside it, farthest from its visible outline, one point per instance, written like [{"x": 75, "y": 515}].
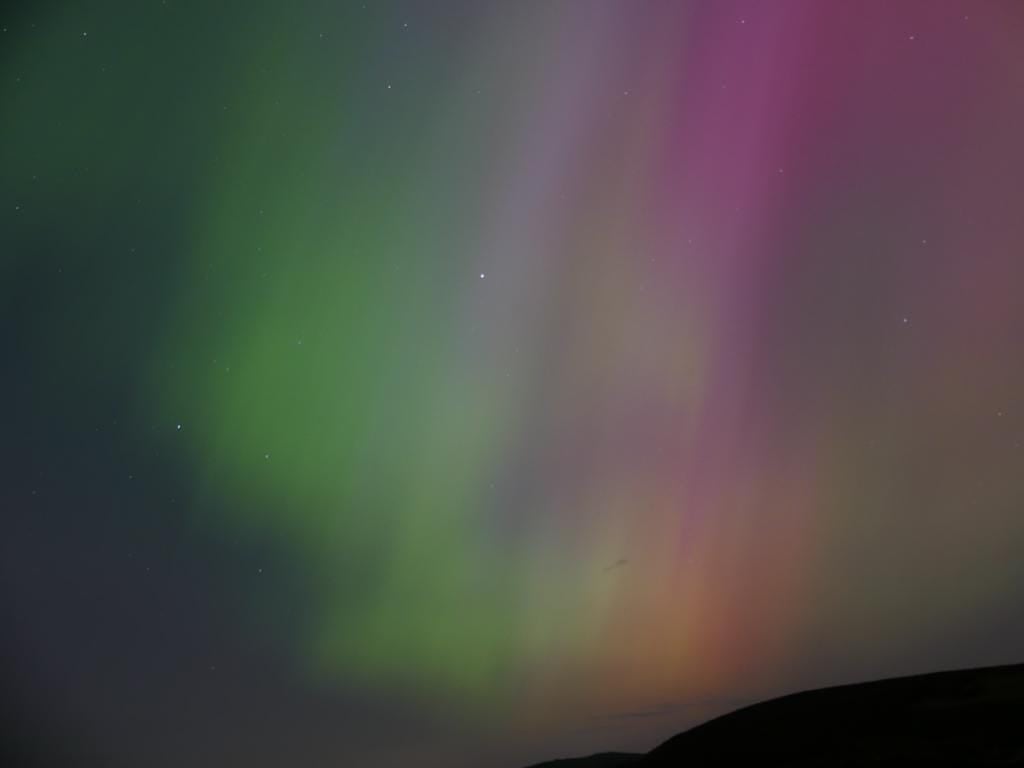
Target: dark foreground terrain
[{"x": 970, "y": 717}]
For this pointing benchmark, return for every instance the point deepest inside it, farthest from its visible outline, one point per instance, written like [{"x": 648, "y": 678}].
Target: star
[{"x": 482, "y": 275}]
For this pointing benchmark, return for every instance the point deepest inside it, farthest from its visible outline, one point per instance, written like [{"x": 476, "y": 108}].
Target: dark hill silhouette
[{"x": 971, "y": 717}]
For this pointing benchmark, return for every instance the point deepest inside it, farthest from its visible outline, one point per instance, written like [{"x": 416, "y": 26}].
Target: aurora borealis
[{"x": 469, "y": 383}]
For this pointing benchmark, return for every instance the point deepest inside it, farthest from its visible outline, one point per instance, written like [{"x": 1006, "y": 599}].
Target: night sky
[{"x": 466, "y": 384}]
